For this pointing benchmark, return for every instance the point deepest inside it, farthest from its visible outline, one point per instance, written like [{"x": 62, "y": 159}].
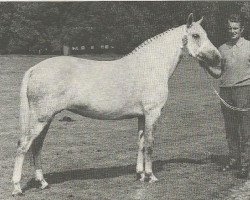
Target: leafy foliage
[{"x": 26, "y": 27}]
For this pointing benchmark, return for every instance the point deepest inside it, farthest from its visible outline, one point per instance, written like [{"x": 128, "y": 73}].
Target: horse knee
[
  {"x": 150, "y": 140},
  {"x": 149, "y": 143},
  {"x": 149, "y": 147}
]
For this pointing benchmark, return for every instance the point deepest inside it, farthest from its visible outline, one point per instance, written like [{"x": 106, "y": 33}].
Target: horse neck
[{"x": 162, "y": 53}]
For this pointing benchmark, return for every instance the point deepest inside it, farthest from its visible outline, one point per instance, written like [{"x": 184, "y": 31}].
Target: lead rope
[{"x": 223, "y": 101}]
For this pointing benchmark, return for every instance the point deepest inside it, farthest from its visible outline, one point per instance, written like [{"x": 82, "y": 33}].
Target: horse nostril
[{"x": 200, "y": 55}]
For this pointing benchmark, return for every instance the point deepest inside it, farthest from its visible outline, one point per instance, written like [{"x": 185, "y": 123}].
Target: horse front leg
[
  {"x": 150, "y": 119},
  {"x": 141, "y": 149}
]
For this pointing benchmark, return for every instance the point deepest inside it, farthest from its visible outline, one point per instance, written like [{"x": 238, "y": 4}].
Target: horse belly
[{"x": 107, "y": 112}]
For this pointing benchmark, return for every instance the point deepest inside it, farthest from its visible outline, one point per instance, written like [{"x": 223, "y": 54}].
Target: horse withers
[{"x": 134, "y": 86}]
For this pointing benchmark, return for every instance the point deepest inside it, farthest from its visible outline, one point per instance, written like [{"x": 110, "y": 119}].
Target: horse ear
[
  {"x": 200, "y": 21},
  {"x": 190, "y": 19}
]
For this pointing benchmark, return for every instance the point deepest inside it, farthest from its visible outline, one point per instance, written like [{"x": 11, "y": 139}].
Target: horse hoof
[
  {"x": 152, "y": 179},
  {"x": 17, "y": 193},
  {"x": 142, "y": 179},
  {"x": 45, "y": 185}
]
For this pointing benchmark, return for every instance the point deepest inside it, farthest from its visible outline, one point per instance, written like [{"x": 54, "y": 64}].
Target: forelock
[{"x": 196, "y": 27}]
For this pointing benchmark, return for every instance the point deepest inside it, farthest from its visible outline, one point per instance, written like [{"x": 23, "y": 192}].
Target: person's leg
[
  {"x": 231, "y": 121},
  {"x": 243, "y": 101}
]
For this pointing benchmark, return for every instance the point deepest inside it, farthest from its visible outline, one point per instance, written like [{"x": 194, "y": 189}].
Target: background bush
[{"x": 26, "y": 27}]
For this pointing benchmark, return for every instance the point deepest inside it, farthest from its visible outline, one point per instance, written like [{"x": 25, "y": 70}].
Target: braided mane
[{"x": 148, "y": 41}]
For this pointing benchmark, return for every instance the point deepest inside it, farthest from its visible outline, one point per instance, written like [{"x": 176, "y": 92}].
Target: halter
[{"x": 184, "y": 39}]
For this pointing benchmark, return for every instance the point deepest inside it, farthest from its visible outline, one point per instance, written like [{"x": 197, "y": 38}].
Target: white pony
[{"x": 134, "y": 86}]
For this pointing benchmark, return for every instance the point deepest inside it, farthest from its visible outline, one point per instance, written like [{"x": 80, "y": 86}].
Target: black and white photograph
[{"x": 124, "y": 100}]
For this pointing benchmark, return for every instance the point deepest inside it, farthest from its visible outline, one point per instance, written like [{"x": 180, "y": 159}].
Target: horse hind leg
[
  {"x": 24, "y": 144},
  {"x": 36, "y": 149}
]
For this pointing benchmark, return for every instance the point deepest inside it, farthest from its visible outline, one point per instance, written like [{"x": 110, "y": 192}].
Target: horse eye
[{"x": 195, "y": 36}]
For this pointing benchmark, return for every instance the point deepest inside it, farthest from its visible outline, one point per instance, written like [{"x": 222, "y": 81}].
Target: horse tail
[{"x": 24, "y": 103}]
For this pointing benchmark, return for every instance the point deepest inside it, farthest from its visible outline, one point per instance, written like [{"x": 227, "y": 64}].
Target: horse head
[{"x": 198, "y": 44}]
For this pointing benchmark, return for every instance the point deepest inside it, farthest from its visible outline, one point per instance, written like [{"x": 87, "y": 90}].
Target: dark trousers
[{"x": 237, "y": 124}]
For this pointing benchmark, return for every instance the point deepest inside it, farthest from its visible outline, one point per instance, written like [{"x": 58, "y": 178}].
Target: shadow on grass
[
  {"x": 116, "y": 171},
  {"x": 220, "y": 160}
]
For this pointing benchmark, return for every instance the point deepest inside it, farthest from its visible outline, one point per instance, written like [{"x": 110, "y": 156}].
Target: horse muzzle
[{"x": 212, "y": 57}]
